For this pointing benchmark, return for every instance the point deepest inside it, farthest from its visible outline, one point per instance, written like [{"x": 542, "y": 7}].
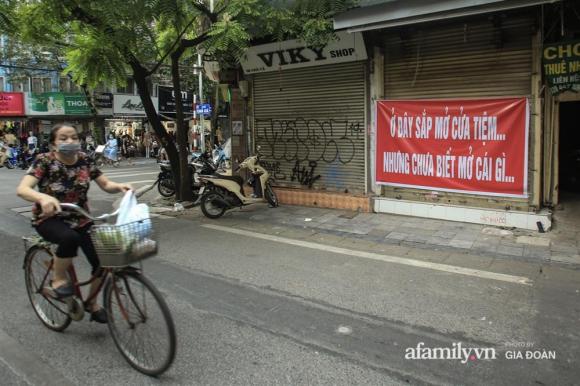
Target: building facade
[{"x": 435, "y": 109}]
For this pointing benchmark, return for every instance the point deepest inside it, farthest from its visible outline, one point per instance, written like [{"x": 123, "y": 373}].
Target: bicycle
[{"x": 123, "y": 285}]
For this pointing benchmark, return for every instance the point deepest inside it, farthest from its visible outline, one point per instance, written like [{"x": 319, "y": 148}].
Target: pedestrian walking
[
  {"x": 32, "y": 142},
  {"x": 111, "y": 148},
  {"x": 147, "y": 143}
]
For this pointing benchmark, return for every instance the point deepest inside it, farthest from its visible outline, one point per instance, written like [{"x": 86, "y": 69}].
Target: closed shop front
[
  {"x": 309, "y": 124},
  {"x": 481, "y": 73},
  {"x": 477, "y": 59},
  {"x": 309, "y": 114}
]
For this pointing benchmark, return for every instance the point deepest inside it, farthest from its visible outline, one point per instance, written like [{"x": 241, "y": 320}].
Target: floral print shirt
[{"x": 67, "y": 183}]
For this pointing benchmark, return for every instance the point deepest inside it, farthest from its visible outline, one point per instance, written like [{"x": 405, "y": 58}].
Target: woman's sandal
[{"x": 64, "y": 291}]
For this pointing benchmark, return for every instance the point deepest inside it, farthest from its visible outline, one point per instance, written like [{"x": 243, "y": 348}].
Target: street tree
[{"x": 106, "y": 42}]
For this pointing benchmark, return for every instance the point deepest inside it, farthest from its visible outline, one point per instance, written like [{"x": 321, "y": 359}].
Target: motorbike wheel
[
  {"x": 165, "y": 189},
  {"x": 9, "y": 164},
  {"x": 209, "y": 208},
  {"x": 271, "y": 196}
]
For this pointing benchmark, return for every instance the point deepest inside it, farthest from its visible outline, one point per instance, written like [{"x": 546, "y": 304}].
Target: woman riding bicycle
[{"x": 64, "y": 175}]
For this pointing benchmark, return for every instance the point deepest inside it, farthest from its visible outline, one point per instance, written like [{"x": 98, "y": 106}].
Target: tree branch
[
  {"x": 170, "y": 50},
  {"x": 186, "y": 43},
  {"x": 200, "y": 6}
]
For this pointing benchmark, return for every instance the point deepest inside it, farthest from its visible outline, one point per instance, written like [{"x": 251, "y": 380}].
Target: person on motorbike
[{"x": 64, "y": 175}]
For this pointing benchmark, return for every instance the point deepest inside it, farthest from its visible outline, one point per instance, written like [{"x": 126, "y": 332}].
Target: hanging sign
[
  {"x": 11, "y": 103},
  {"x": 167, "y": 102},
  {"x": 562, "y": 66},
  {"x": 204, "y": 108},
  {"x": 103, "y": 100},
  {"x": 467, "y": 146}
]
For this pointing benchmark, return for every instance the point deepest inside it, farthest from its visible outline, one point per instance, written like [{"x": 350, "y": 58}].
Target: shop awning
[{"x": 392, "y": 13}]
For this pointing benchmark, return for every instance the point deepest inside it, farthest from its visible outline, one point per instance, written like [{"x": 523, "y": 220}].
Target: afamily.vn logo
[{"x": 456, "y": 352}]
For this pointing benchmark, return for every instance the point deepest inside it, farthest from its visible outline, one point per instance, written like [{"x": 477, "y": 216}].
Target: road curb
[{"x": 28, "y": 366}]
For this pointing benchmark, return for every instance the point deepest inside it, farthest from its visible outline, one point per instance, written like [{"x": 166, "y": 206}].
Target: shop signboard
[
  {"x": 103, "y": 100},
  {"x": 130, "y": 105},
  {"x": 11, "y": 104},
  {"x": 290, "y": 54},
  {"x": 467, "y": 146},
  {"x": 167, "y": 101},
  {"x": 561, "y": 62},
  {"x": 57, "y": 103}
]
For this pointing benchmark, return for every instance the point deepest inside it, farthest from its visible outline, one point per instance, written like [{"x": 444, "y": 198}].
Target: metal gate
[
  {"x": 310, "y": 125},
  {"x": 476, "y": 58},
  {"x": 473, "y": 59}
]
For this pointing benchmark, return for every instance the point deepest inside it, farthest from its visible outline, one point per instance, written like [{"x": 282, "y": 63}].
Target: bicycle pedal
[{"x": 75, "y": 309}]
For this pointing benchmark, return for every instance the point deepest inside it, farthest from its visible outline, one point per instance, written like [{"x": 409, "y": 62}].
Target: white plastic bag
[
  {"x": 135, "y": 214},
  {"x": 130, "y": 211}
]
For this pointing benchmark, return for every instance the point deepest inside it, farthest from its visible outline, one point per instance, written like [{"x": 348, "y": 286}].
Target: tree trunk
[
  {"x": 140, "y": 77},
  {"x": 185, "y": 189}
]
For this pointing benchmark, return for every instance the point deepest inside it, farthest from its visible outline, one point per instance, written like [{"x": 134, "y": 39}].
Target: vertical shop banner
[
  {"x": 466, "y": 146},
  {"x": 11, "y": 104}
]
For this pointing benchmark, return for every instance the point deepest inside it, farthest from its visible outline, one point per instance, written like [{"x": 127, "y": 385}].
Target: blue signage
[{"x": 204, "y": 109}]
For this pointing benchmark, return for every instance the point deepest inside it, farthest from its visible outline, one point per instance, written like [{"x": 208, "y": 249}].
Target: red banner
[
  {"x": 467, "y": 146},
  {"x": 11, "y": 104}
]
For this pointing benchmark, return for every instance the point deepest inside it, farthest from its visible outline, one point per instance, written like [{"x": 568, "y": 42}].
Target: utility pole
[
  {"x": 200, "y": 75},
  {"x": 202, "y": 130}
]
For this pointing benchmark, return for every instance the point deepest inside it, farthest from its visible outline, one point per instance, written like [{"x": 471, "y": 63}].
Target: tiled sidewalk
[{"x": 555, "y": 246}]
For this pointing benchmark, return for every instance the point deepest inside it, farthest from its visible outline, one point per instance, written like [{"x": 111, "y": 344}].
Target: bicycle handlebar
[{"x": 80, "y": 210}]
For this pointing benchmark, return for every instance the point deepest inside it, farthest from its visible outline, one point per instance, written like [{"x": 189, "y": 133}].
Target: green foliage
[
  {"x": 91, "y": 62},
  {"x": 95, "y": 40}
]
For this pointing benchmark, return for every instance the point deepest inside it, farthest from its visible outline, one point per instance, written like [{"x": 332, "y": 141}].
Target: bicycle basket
[{"x": 122, "y": 245}]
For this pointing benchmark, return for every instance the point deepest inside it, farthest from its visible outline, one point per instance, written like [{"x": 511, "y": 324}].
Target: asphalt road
[{"x": 253, "y": 307}]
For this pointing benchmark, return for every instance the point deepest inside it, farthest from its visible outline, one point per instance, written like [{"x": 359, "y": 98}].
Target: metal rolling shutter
[
  {"x": 313, "y": 117},
  {"x": 471, "y": 59},
  {"x": 468, "y": 59}
]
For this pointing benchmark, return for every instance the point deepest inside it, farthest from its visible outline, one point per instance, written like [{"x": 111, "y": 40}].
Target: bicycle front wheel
[
  {"x": 52, "y": 313},
  {"x": 140, "y": 322}
]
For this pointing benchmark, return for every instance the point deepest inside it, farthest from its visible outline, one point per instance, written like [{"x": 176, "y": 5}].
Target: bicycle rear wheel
[
  {"x": 52, "y": 313},
  {"x": 140, "y": 322}
]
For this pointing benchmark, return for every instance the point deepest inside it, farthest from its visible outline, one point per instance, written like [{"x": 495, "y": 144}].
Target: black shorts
[{"x": 68, "y": 239}]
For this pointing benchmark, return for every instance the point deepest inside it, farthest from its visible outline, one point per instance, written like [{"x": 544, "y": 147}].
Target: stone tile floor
[{"x": 561, "y": 245}]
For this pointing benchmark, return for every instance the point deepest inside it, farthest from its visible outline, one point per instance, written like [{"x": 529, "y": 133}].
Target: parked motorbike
[
  {"x": 200, "y": 163},
  {"x": 26, "y": 158},
  {"x": 221, "y": 192}
]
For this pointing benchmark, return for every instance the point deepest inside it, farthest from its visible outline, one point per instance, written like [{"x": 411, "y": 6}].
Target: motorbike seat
[{"x": 237, "y": 179}]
